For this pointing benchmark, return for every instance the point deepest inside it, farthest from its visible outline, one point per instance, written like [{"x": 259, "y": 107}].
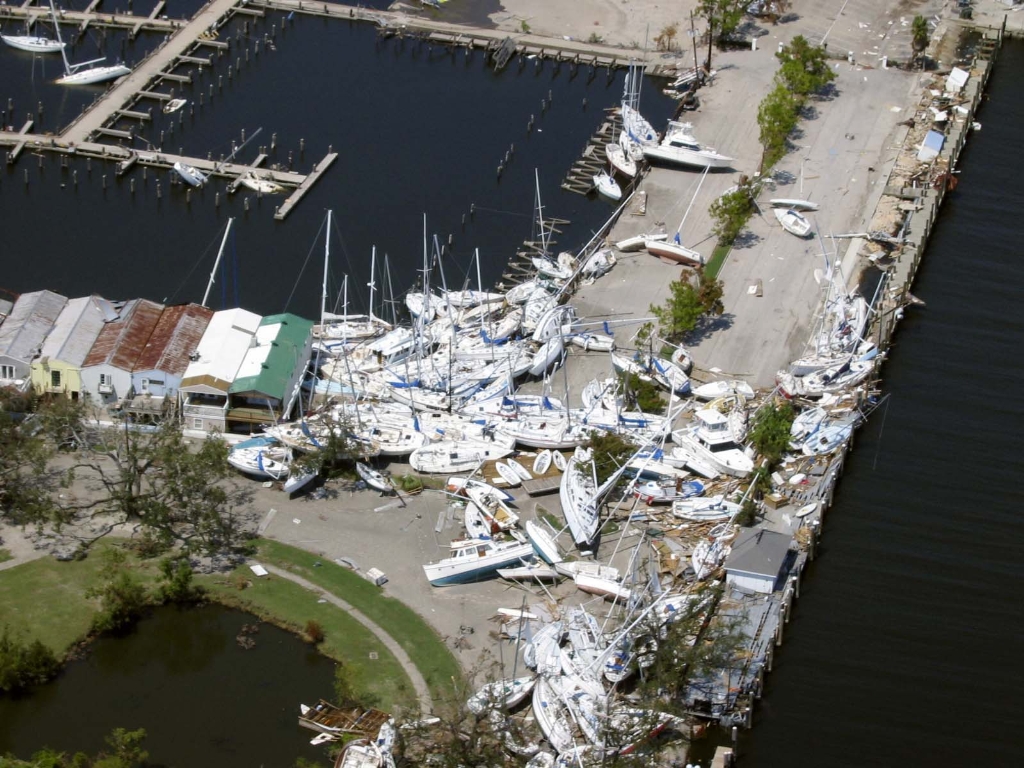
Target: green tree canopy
[
  {"x": 776, "y": 117},
  {"x": 919, "y": 33},
  {"x": 770, "y": 433},
  {"x": 804, "y": 69},
  {"x": 722, "y": 16},
  {"x": 729, "y": 213},
  {"x": 687, "y": 304}
]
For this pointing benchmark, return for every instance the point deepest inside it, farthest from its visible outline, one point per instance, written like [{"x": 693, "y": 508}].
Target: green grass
[
  {"x": 5, "y": 555},
  {"x": 424, "y": 646},
  {"x": 379, "y": 681},
  {"x": 717, "y": 260},
  {"x": 45, "y": 599}
]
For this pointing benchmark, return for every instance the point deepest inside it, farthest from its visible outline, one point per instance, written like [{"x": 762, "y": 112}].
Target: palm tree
[{"x": 919, "y": 33}]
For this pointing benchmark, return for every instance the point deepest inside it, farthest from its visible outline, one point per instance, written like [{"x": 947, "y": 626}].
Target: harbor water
[
  {"x": 903, "y": 644},
  {"x": 419, "y": 131},
  {"x": 246, "y": 714}
]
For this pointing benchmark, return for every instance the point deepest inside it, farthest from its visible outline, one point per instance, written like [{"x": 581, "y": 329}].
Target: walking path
[{"x": 418, "y": 682}]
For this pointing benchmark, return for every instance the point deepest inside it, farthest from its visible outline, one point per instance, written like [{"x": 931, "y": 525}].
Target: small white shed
[{"x": 758, "y": 560}]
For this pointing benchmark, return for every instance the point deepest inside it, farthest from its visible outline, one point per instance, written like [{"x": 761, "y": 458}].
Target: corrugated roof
[
  {"x": 270, "y": 364},
  {"x": 76, "y": 329},
  {"x": 759, "y": 552},
  {"x": 175, "y": 338},
  {"x": 23, "y": 332},
  {"x": 222, "y": 348},
  {"x": 121, "y": 342}
]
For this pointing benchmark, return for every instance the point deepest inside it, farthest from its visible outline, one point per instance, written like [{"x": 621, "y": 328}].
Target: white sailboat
[
  {"x": 84, "y": 73},
  {"x": 674, "y": 250},
  {"x": 793, "y": 222},
  {"x": 250, "y": 180},
  {"x": 794, "y": 203},
  {"x": 607, "y": 186},
  {"x": 33, "y": 43},
  {"x": 174, "y": 105},
  {"x": 190, "y": 174},
  {"x": 620, "y": 160},
  {"x": 577, "y": 492},
  {"x": 680, "y": 147}
]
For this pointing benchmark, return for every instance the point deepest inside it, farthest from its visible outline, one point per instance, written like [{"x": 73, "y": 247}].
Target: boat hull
[
  {"x": 32, "y": 44},
  {"x": 680, "y": 254},
  {"x": 444, "y": 574},
  {"x": 94, "y": 75}
]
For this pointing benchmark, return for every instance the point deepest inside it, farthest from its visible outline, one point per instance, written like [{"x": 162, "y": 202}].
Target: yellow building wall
[{"x": 70, "y": 378}]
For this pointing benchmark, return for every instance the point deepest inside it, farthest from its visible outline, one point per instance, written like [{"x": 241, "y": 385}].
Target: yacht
[{"x": 679, "y": 147}]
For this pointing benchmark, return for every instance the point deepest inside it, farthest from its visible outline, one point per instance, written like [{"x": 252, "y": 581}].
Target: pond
[{"x": 181, "y": 675}]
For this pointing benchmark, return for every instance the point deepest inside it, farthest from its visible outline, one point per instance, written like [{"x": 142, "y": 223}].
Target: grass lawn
[
  {"x": 376, "y": 675},
  {"x": 717, "y": 260},
  {"x": 5, "y": 555},
  {"x": 45, "y": 599},
  {"x": 424, "y": 646}
]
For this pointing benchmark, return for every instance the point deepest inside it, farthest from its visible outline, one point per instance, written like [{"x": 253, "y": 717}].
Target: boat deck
[{"x": 327, "y": 718}]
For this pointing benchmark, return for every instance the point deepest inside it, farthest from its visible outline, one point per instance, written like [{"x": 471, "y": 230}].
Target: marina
[{"x": 687, "y": 570}]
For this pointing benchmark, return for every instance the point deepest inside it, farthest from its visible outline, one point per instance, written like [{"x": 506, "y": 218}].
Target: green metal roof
[{"x": 269, "y": 365}]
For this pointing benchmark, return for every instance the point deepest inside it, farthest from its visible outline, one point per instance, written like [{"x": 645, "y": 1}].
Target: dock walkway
[
  {"x": 121, "y": 94},
  {"x": 92, "y": 18}
]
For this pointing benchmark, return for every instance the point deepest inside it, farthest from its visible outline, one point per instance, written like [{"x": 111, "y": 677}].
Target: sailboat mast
[
  {"x": 373, "y": 279},
  {"x": 683, "y": 221},
  {"x": 216, "y": 263},
  {"x": 327, "y": 258},
  {"x": 63, "y": 54}
]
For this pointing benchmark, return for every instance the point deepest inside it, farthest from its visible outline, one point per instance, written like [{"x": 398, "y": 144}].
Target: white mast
[
  {"x": 327, "y": 257},
  {"x": 213, "y": 272}
]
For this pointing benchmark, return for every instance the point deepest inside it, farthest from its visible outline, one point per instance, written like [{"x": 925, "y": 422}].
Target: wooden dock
[
  {"x": 304, "y": 186},
  {"x": 91, "y": 18},
  {"x": 19, "y": 140}
]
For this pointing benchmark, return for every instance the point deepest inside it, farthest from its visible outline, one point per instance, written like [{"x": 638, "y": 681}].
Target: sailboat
[
  {"x": 190, "y": 174},
  {"x": 793, "y": 222},
  {"x": 84, "y": 74},
  {"x": 674, "y": 250},
  {"x": 33, "y": 43},
  {"x": 607, "y": 186},
  {"x": 620, "y": 160}
]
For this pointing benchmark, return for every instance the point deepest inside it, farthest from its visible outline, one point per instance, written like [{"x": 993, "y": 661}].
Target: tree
[
  {"x": 804, "y": 69},
  {"x": 770, "y": 434},
  {"x": 694, "y": 648},
  {"x": 722, "y": 16},
  {"x": 666, "y": 39},
  {"x": 24, "y": 458},
  {"x": 123, "y": 598},
  {"x": 730, "y": 212},
  {"x": 919, "y": 33},
  {"x": 177, "y": 582},
  {"x": 776, "y": 117},
  {"x": 24, "y": 664},
  {"x": 609, "y": 451},
  {"x": 125, "y": 749},
  {"x": 687, "y": 304}
]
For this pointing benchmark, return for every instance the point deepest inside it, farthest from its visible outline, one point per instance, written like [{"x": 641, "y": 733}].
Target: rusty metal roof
[
  {"x": 174, "y": 339},
  {"x": 121, "y": 342}
]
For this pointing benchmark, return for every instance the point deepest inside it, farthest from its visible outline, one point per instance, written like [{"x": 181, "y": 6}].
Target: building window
[
  {"x": 6, "y": 371},
  {"x": 197, "y": 423},
  {"x": 55, "y": 379},
  {"x": 105, "y": 380},
  {"x": 145, "y": 386}
]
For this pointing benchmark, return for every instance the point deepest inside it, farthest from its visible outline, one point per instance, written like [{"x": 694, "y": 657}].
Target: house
[
  {"x": 107, "y": 369},
  {"x": 759, "y": 560},
  {"x": 158, "y": 370},
  {"x": 23, "y": 333},
  {"x": 267, "y": 383},
  {"x": 203, "y": 392},
  {"x": 58, "y": 369}
]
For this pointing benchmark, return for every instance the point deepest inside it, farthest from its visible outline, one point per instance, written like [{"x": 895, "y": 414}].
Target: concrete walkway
[{"x": 418, "y": 682}]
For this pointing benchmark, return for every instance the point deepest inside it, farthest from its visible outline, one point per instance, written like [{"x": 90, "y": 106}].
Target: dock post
[
  {"x": 144, "y": 174},
  {"x": 158, "y": 193},
  {"x": 245, "y": 204},
  {"x": 131, "y": 186},
  {"x": 302, "y": 147},
  {"x": 104, "y": 181},
  {"x": 188, "y": 196},
  {"x": 88, "y": 165},
  {"x": 216, "y": 200},
  {"x": 74, "y": 178},
  {"x": 26, "y": 177},
  {"x": 273, "y": 142}
]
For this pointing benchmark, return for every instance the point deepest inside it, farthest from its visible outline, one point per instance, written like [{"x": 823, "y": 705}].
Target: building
[
  {"x": 107, "y": 369},
  {"x": 58, "y": 369},
  {"x": 268, "y": 381},
  {"x": 158, "y": 370},
  {"x": 22, "y": 335},
  {"x": 759, "y": 560},
  {"x": 203, "y": 392}
]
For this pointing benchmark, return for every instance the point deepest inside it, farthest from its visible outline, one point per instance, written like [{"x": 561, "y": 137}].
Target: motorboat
[
  {"x": 680, "y": 147},
  {"x": 174, "y": 105},
  {"x": 670, "y": 250},
  {"x": 462, "y": 485},
  {"x": 667, "y": 492},
  {"x": 620, "y": 160},
  {"x": 190, "y": 174},
  {"x": 703, "y": 510},
  {"x": 793, "y": 222},
  {"x": 607, "y": 186},
  {"x": 793, "y": 203},
  {"x": 577, "y": 494},
  {"x": 475, "y": 560},
  {"x": 711, "y": 439},
  {"x": 830, "y": 434},
  {"x": 493, "y": 507},
  {"x": 259, "y": 185},
  {"x": 826, "y": 381},
  {"x": 33, "y": 43}
]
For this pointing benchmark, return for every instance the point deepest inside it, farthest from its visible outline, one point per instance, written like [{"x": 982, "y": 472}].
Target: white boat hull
[
  {"x": 94, "y": 75},
  {"x": 670, "y": 251},
  {"x": 687, "y": 158},
  {"x": 32, "y": 43}
]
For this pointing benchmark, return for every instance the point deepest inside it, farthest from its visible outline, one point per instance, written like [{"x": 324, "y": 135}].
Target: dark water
[
  {"x": 904, "y": 648},
  {"x": 417, "y": 132},
  {"x": 203, "y": 700}
]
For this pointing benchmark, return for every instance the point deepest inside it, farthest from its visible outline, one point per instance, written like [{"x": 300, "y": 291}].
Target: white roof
[
  {"x": 224, "y": 346},
  {"x": 711, "y": 417},
  {"x": 256, "y": 355}
]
